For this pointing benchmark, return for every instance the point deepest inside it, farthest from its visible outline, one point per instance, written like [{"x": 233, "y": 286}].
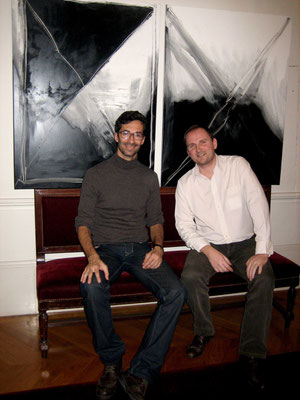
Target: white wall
[{"x": 17, "y": 241}]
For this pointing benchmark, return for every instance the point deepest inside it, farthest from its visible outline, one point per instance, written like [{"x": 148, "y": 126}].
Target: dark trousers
[
  {"x": 196, "y": 275},
  {"x": 162, "y": 282}
]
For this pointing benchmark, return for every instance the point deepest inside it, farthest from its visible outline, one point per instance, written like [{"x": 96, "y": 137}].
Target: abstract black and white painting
[
  {"x": 226, "y": 71},
  {"x": 77, "y": 67}
]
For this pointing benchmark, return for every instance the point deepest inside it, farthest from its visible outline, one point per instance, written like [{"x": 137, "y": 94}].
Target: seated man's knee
[
  {"x": 180, "y": 292},
  {"x": 94, "y": 289},
  {"x": 177, "y": 294},
  {"x": 266, "y": 279},
  {"x": 192, "y": 277}
]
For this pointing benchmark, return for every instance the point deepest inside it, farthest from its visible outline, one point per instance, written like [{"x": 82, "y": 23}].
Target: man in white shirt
[{"x": 223, "y": 216}]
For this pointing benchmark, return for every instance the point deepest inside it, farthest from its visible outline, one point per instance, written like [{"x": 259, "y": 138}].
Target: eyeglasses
[{"x": 127, "y": 134}]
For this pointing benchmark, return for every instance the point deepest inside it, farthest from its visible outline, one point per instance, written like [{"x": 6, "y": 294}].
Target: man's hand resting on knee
[
  {"x": 94, "y": 266},
  {"x": 256, "y": 263},
  {"x": 218, "y": 261}
]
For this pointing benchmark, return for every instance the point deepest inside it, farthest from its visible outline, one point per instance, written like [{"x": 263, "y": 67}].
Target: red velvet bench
[{"x": 58, "y": 279}]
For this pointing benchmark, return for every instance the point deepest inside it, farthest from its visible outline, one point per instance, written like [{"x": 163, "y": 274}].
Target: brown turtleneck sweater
[{"x": 119, "y": 199}]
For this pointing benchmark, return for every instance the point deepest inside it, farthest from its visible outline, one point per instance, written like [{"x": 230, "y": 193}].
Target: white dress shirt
[{"x": 229, "y": 207}]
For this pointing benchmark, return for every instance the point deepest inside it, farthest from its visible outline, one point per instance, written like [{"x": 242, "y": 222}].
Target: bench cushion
[{"x": 59, "y": 279}]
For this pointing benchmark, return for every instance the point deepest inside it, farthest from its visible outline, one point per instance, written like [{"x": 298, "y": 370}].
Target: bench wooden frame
[{"x": 55, "y": 210}]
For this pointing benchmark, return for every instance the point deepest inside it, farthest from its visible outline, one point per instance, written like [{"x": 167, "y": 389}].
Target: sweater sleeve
[
  {"x": 153, "y": 208},
  {"x": 87, "y": 203}
]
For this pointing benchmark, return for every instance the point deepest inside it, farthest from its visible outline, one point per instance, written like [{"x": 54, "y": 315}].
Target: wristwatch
[{"x": 159, "y": 245}]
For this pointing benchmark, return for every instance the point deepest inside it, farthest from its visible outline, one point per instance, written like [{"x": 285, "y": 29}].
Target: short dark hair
[
  {"x": 129, "y": 116},
  {"x": 193, "y": 127}
]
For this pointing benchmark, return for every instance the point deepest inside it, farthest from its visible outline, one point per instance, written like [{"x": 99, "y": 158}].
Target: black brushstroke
[
  {"x": 86, "y": 34},
  {"x": 67, "y": 43},
  {"x": 234, "y": 115},
  {"x": 246, "y": 134}
]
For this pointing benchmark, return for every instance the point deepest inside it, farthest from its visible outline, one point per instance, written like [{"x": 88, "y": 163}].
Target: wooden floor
[{"x": 72, "y": 360}]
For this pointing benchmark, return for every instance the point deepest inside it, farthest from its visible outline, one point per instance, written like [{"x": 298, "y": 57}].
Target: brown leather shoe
[
  {"x": 134, "y": 386},
  {"x": 196, "y": 348},
  {"x": 107, "y": 383}
]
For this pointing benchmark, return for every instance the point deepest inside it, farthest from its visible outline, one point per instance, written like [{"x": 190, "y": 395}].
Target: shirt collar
[{"x": 216, "y": 169}]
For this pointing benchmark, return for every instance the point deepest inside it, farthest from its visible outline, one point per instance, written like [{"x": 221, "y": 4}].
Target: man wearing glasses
[{"x": 119, "y": 204}]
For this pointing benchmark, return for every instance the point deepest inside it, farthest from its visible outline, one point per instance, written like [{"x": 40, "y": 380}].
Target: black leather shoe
[
  {"x": 196, "y": 348},
  {"x": 107, "y": 384},
  {"x": 254, "y": 371},
  {"x": 134, "y": 386}
]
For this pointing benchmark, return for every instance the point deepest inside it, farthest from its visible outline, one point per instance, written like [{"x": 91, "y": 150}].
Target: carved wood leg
[
  {"x": 290, "y": 306},
  {"x": 43, "y": 322}
]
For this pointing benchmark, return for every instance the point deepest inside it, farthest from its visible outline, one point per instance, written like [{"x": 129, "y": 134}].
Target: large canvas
[
  {"x": 77, "y": 67},
  {"x": 226, "y": 71}
]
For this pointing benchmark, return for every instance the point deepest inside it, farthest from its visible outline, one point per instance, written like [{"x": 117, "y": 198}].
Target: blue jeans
[{"x": 162, "y": 282}]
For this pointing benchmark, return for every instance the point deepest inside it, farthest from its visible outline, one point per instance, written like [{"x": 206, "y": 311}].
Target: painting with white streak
[
  {"x": 226, "y": 71},
  {"x": 77, "y": 67}
]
